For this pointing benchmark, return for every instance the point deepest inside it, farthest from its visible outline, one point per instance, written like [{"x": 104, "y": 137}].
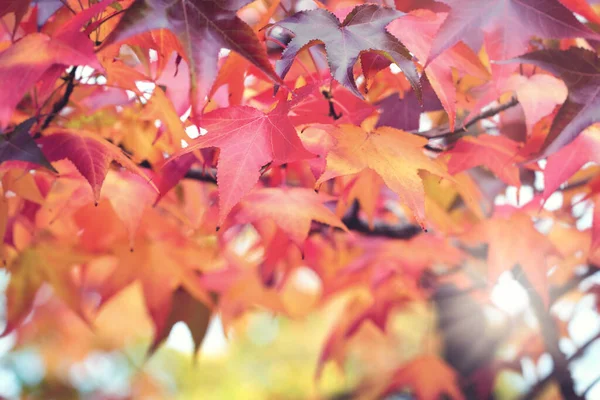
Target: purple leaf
[{"x": 362, "y": 30}]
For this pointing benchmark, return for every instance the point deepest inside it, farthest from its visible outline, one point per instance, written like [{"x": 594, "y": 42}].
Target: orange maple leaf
[
  {"x": 292, "y": 209},
  {"x": 429, "y": 377},
  {"x": 395, "y": 155}
]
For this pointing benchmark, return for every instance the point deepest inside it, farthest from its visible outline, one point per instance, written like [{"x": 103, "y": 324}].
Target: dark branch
[
  {"x": 557, "y": 292},
  {"x": 206, "y": 175},
  {"x": 354, "y": 223},
  {"x": 332, "y": 112},
  {"x": 591, "y": 386},
  {"x": 539, "y": 387},
  {"x": 436, "y": 134},
  {"x": 551, "y": 338},
  {"x": 63, "y": 101}
]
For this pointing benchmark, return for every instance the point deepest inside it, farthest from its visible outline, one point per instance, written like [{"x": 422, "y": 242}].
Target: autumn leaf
[
  {"x": 417, "y": 30},
  {"x": 395, "y": 155},
  {"x": 159, "y": 260},
  {"x": 362, "y": 30},
  {"x": 595, "y": 246},
  {"x": 129, "y": 195},
  {"x": 582, "y": 8},
  {"x": 159, "y": 106},
  {"x": 34, "y": 267},
  {"x": 91, "y": 154},
  {"x": 292, "y": 209},
  {"x": 45, "y": 8},
  {"x": 404, "y": 113},
  {"x": 203, "y": 28},
  {"x": 172, "y": 173},
  {"x": 498, "y": 153},
  {"x": 429, "y": 378},
  {"x": 14, "y": 62},
  {"x": 538, "y": 95},
  {"x": 311, "y": 104},
  {"x": 22, "y": 183},
  {"x": 24, "y": 62},
  {"x": 364, "y": 188},
  {"x": 506, "y": 26},
  {"x": 562, "y": 165},
  {"x": 18, "y": 145},
  {"x": 185, "y": 308},
  {"x": 580, "y": 70},
  {"x": 507, "y": 249},
  {"x": 249, "y": 140}
]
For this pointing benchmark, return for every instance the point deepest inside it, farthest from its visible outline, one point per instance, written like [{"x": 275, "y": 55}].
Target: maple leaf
[
  {"x": 580, "y": 70},
  {"x": 161, "y": 260},
  {"x": 239, "y": 289},
  {"x": 498, "y": 153},
  {"x": 312, "y": 104},
  {"x": 25, "y": 61},
  {"x": 507, "y": 26},
  {"x": 404, "y": 113},
  {"x": 28, "y": 59},
  {"x": 249, "y": 140},
  {"x": 409, "y": 257},
  {"x": 364, "y": 188},
  {"x": 429, "y": 377},
  {"x": 23, "y": 184},
  {"x": 172, "y": 173},
  {"x": 390, "y": 293},
  {"x": 45, "y": 9},
  {"x": 362, "y": 30},
  {"x": 160, "y": 106},
  {"x": 507, "y": 249},
  {"x": 203, "y": 27},
  {"x": 538, "y": 95},
  {"x": 417, "y": 30},
  {"x": 185, "y": 308},
  {"x": 19, "y": 145},
  {"x": 129, "y": 195},
  {"x": 91, "y": 154},
  {"x": 292, "y": 209},
  {"x": 395, "y": 155},
  {"x": 562, "y": 165},
  {"x": 582, "y": 8},
  {"x": 32, "y": 268}
]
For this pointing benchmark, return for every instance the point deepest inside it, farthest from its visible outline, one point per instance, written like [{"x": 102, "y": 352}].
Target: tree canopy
[{"x": 324, "y": 199}]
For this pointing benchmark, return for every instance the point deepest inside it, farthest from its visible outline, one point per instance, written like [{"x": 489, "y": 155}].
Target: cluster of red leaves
[{"x": 298, "y": 148}]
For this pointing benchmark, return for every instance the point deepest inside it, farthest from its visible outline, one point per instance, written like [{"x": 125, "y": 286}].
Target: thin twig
[
  {"x": 591, "y": 386},
  {"x": 202, "y": 175},
  {"x": 484, "y": 115},
  {"x": 354, "y": 223},
  {"x": 539, "y": 387},
  {"x": 63, "y": 101}
]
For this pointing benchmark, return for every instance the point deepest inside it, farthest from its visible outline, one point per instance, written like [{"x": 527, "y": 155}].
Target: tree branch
[
  {"x": 63, "y": 101},
  {"x": 354, "y": 223},
  {"x": 551, "y": 338},
  {"x": 436, "y": 134},
  {"x": 591, "y": 386},
  {"x": 537, "y": 389},
  {"x": 206, "y": 175},
  {"x": 557, "y": 292}
]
